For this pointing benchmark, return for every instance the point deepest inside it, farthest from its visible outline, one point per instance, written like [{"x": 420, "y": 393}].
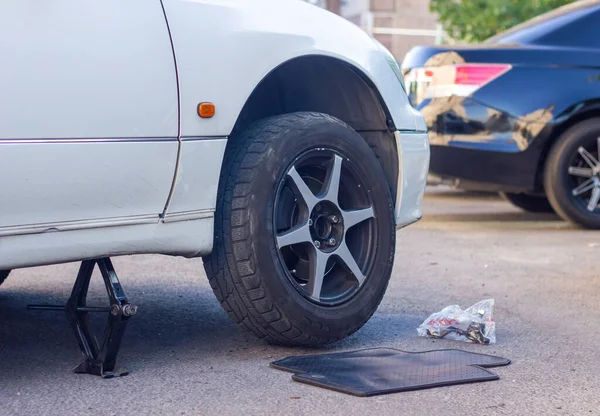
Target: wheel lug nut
[
  {"x": 317, "y": 243},
  {"x": 310, "y": 222},
  {"x": 334, "y": 219},
  {"x": 332, "y": 242}
]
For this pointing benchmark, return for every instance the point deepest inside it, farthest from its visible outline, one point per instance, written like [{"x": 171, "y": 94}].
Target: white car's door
[{"x": 88, "y": 114}]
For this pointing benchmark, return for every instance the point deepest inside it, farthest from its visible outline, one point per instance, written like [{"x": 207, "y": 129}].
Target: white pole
[
  {"x": 405, "y": 32},
  {"x": 439, "y": 38},
  {"x": 370, "y": 20}
]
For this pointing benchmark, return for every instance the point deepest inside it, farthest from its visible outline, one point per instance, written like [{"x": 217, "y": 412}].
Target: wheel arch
[{"x": 318, "y": 83}]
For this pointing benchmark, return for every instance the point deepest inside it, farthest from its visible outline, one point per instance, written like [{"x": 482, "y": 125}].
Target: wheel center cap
[
  {"x": 323, "y": 226},
  {"x": 326, "y": 226}
]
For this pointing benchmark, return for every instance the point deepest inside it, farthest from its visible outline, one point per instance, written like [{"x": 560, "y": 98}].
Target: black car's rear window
[{"x": 577, "y": 24}]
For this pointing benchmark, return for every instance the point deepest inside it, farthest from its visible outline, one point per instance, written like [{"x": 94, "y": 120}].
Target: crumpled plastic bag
[{"x": 475, "y": 324}]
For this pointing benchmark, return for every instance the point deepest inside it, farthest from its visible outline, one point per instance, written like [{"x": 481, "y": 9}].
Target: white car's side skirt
[
  {"x": 104, "y": 222},
  {"x": 76, "y": 225},
  {"x": 186, "y": 237}
]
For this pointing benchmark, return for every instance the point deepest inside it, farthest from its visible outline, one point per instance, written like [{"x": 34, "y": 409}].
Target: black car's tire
[
  {"x": 568, "y": 175},
  {"x": 3, "y": 275},
  {"x": 247, "y": 268},
  {"x": 529, "y": 203}
]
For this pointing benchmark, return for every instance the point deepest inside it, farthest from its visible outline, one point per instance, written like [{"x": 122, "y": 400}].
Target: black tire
[
  {"x": 246, "y": 270},
  {"x": 3, "y": 275},
  {"x": 560, "y": 183},
  {"x": 529, "y": 203}
]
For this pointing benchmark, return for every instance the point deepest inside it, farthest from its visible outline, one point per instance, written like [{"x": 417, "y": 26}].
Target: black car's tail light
[{"x": 450, "y": 80}]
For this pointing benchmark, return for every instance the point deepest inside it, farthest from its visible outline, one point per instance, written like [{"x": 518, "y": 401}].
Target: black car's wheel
[
  {"x": 529, "y": 203},
  {"x": 572, "y": 174},
  {"x": 304, "y": 230},
  {"x": 3, "y": 275}
]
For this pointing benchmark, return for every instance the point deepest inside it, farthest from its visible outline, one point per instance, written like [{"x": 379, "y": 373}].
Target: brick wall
[{"x": 406, "y": 14}]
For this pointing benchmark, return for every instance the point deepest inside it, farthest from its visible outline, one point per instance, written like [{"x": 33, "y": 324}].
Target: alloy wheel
[
  {"x": 584, "y": 170},
  {"x": 323, "y": 217}
]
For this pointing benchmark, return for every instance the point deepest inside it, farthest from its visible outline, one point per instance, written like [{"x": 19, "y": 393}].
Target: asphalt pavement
[{"x": 187, "y": 358}]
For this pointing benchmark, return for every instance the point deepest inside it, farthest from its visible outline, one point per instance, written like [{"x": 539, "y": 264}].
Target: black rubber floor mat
[{"x": 382, "y": 370}]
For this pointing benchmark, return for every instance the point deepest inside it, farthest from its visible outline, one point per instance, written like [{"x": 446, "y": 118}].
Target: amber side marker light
[{"x": 206, "y": 110}]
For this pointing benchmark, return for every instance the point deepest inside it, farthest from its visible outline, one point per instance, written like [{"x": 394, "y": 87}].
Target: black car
[{"x": 519, "y": 113}]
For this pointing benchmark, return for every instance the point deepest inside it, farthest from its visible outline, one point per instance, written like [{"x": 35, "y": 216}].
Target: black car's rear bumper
[
  {"x": 484, "y": 170},
  {"x": 480, "y": 147}
]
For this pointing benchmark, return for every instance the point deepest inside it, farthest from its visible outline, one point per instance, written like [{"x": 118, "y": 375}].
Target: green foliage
[{"x": 476, "y": 20}]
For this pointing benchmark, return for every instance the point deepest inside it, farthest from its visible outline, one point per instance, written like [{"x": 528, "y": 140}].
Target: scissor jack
[{"x": 99, "y": 359}]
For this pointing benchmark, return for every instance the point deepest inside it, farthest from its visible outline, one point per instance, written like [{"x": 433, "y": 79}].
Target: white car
[{"x": 271, "y": 138}]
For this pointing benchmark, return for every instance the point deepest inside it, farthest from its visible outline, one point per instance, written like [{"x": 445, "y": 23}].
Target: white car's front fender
[{"x": 224, "y": 48}]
